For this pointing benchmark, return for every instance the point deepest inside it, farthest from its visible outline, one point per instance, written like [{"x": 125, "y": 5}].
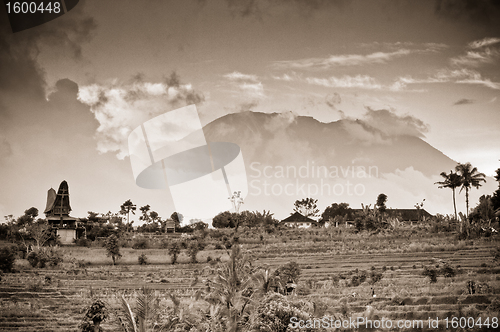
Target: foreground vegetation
[
  {"x": 252, "y": 273},
  {"x": 415, "y": 272}
]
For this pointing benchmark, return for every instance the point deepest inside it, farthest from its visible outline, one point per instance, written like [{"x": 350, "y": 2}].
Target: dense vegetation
[{"x": 250, "y": 273}]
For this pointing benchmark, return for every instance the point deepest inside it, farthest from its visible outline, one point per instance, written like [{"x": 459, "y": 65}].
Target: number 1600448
[{"x": 33, "y": 7}]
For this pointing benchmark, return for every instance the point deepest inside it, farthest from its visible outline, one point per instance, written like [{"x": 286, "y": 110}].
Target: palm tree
[
  {"x": 145, "y": 314},
  {"x": 128, "y": 207},
  {"x": 470, "y": 178},
  {"x": 453, "y": 181}
]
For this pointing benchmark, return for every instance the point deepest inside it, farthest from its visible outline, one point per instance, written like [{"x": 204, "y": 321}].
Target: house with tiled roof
[{"x": 298, "y": 220}]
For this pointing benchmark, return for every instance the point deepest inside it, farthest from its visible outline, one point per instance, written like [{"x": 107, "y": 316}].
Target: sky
[{"x": 72, "y": 90}]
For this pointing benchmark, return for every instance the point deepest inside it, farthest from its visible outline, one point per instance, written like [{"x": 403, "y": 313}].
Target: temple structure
[{"x": 57, "y": 214}]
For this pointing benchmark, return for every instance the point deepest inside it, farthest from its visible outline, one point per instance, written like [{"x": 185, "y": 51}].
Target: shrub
[
  {"x": 165, "y": 244},
  {"x": 274, "y": 313},
  {"x": 140, "y": 244},
  {"x": 447, "y": 271},
  {"x": 80, "y": 263},
  {"x": 112, "y": 248},
  {"x": 95, "y": 315},
  {"x": 43, "y": 256},
  {"x": 193, "y": 250},
  {"x": 288, "y": 272},
  {"x": 357, "y": 279},
  {"x": 143, "y": 259},
  {"x": 7, "y": 259},
  {"x": 174, "y": 250},
  {"x": 431, "y": 273},
  {"x": 34, "y": 286},
  {"x": 83, "y": 243},
  {"x": 375, "y": 277}
]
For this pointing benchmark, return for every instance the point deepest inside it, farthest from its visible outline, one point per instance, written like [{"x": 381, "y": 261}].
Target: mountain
[{"x": 290, "y": 157}]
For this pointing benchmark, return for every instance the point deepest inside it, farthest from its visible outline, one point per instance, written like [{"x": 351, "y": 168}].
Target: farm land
[{"x": 343, "y": 274}]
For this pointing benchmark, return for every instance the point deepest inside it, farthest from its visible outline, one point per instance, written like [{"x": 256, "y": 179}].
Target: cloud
[
  {"x": 381, "y": 126},
  {"x": 484, "y": 13},
  {"x": 411, "y": 46},
  {"x": 475, "y": 59},
  {"x": 284, "y": 77},
  {"x": 392, "y": 124},
  {"x": 119, "y": 108},
  {"x": 362, "y": 132},
  {"x": 464, "y": 101},
  {"x": 280, "y": 121},
  {"x": 239, "y": 77},
  {"x": 341, "y": 60},
  {"x": 480, "y": 52},
  {"x": 253, "y": 89},
  {"x": 257, "y": 8},
  {"x": 460, "y": 76},
  {"x": 249, "y": 84},
  {"x": 359, "y": 81},
  {"x": 484, "y": 42},
  {"x": 332, "y": 100},
  {"x": 22, "y": 80}
]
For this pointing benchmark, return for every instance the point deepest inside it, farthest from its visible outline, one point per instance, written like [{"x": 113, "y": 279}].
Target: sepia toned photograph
[{"x": 249, "y": 165}]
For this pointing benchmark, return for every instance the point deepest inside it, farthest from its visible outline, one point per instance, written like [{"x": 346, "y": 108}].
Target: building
[
  {"x": 170, "y": 226},
  {"x": 299, "y": 221},
  {"x": 57, "y": 214}
]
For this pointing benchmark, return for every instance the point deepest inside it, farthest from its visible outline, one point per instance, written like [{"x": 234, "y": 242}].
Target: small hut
[{"x": 170, "y": 226}]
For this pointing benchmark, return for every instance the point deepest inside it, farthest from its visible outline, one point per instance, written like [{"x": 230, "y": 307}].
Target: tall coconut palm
[
  {"x": 452, "y": 181},
  {"x": 470, "y": 178}
]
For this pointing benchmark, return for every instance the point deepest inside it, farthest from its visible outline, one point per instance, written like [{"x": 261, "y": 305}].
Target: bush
[
  {"x": 174, "y": 251},
  {"x": 288, "y": 272},
  {"x": 140, "y": 244},
  {"x": 7, "y": 259},
  {"x": 95, "y": 315},
  {"x": 375, "y": 277},
  {"x": 431, "y": 273},
  {"x": 275, "y": 311},
  {"x": 193, "y": 250},
  {"x": 357, "y": 279},
  {"x": 45, "y": 256},
  {"x": 165, "y": 244},
  {"x": 112, "y": 248},
  {"x": 447, "y": 271},
  {"x": 80, "y": 263},
  {"x": 143, "y": 259},
  {"x": 83, "y": 243}
]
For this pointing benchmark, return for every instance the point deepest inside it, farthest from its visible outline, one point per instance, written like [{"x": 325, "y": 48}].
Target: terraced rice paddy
[{"x": 56, "y": 299}]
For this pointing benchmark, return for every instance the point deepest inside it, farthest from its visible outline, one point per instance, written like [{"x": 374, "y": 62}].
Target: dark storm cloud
[
  {"x": 257, "y": 7},
  {"x": 464, "y": 101},
  {"x": 21, "y": 73},
  {"x": 480, "y": 12}
]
